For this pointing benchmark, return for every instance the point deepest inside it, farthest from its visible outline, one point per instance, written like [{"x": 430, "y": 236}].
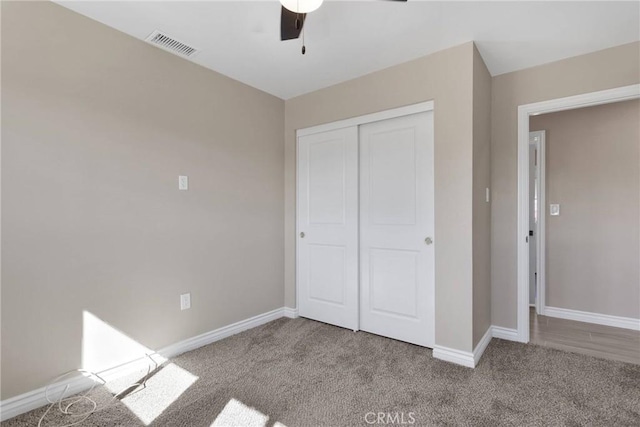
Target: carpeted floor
[{"x": 304, "y": 373}]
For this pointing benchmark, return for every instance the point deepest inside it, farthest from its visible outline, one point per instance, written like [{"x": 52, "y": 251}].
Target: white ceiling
[{"x": 348, "y": 39}]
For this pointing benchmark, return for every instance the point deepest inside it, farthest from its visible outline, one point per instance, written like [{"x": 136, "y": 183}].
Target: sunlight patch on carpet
[
  {"x": 160, "y": 391},
  {"x": 236, "y": 413}
]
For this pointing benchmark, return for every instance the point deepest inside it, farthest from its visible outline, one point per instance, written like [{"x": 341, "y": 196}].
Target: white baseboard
[
  {"x": 34, "y": 399},
  {"x": 464, "y": 358},
  {"x": 504, "y": 333},
  {"x": 482, "y": 346},
  {"x": 599, "y": 319},
  {"x": 220, "y": 333},
  {"x": 291, "y": 313}
]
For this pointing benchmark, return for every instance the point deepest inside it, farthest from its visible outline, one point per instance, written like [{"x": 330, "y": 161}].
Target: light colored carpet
[{"x": 305, "y": 373}]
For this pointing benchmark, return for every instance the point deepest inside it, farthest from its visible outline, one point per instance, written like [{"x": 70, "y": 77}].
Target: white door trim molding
[
  {"x": 542, "y": 216},
  {"x": 524, "y": 111},
  {"x": 599, "y": 319},
  {"x": 368, "y": 118}
]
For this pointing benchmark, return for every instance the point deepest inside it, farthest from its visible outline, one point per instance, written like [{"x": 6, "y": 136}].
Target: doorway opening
[
  {"x": 585, "y": 298},
  {"x": 525, "y": 246}
]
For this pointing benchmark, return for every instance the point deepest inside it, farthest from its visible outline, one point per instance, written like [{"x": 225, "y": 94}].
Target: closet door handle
[
  {"x": 302, "y": 235},
  {"x": 428, "y": 240}
]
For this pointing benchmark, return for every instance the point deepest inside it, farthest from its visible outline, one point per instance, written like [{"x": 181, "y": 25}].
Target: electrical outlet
[
  {"x": 185, "y": 301},
  {"x": 183, "y": 182}
]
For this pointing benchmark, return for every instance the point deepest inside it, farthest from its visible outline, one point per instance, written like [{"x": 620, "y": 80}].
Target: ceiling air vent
[{"x": 166, "y": 42}]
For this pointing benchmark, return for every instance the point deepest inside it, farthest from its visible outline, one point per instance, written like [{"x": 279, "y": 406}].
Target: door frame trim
[
  {"x": 406, "y": 110},
  {"x": 540, "y": 233},
  {"x": 609, "y": 96},
  {"x": 421, "y": 107}
]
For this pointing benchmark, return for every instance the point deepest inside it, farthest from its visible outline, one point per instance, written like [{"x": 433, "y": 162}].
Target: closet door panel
[
  {"x": 327, "y": 241},
  {"x": 392, "y": 178},
  {"x": 397, "y": 267},
  {"x": 396, "y": 221}
]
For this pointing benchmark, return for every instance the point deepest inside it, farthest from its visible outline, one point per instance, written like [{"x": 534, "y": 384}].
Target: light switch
[
  {"x": 554, "y": 210},
  {"x": 183, "y": 182},
  {"x": 487, "y": 195}
]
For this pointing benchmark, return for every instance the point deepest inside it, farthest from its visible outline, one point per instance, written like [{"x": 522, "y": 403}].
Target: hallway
[{"x": 585, "y": 338}]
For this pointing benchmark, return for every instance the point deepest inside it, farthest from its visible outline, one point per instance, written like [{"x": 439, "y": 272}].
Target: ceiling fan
[{"x": 293, "y": 15}]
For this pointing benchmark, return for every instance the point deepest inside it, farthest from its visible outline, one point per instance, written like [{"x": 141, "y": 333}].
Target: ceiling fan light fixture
[{"x": 301, "y": 6}]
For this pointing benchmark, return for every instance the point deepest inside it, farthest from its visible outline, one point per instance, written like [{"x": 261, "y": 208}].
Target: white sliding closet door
[
  {"x": 327, "y": 265},
  {"x": 396, "y": 228}
]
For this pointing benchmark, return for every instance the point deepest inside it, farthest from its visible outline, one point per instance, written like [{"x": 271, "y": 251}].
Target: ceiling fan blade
[{"x": 288, "y": 30}]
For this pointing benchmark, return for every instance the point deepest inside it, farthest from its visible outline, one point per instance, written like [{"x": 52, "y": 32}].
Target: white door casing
[
  {"x": 538, "y": 247},
  {"x": 327, "y": 234},
  {"x": 397, "y": 239},
  {"x": 533, "y": 152}
]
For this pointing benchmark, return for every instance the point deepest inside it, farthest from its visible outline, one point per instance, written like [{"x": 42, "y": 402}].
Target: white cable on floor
[{"x": 65, "y": 403}]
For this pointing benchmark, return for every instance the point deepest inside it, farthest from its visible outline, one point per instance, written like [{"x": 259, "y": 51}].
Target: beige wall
[
  {"x": 618, "y": 66},
  {"x": 481, "y": 209},
  {"x": 447, "y": 78},
  {"x": 593, "y": 172},
  {"x": 96, "y": 128}
]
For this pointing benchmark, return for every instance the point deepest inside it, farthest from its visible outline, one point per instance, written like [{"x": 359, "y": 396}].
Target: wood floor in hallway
[{"x": 585, "y": 338}]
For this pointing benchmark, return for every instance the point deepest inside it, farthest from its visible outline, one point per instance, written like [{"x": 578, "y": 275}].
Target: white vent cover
[{"x": 169, "y": 43}]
